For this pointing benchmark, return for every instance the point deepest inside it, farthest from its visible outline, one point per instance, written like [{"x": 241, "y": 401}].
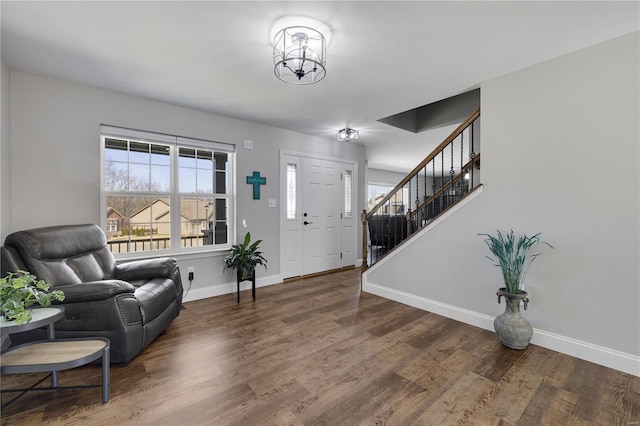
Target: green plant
[
  {"x": 244, "y": 257},
  {"x": 20, "y": 290},
  {"x": 513, "y": 256}
]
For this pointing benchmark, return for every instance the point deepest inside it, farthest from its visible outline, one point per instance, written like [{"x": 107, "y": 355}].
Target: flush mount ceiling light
[
  {"x": 299, "y": 55},
  {"x": 347, "y": 135}
]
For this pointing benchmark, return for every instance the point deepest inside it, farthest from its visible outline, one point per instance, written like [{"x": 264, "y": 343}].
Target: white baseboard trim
[
  {"x": 228, "y": 288},
  {"x": 611, "y": 358},
  {"x": 446, "y": 310},
  {"x": 587, "y": 351}
]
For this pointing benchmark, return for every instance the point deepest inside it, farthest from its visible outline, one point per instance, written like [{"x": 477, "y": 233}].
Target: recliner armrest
[
  {"x": 94, "y": 290},
  {"x": 10, "y": 260},
  {"x": 162, "y": 267}
]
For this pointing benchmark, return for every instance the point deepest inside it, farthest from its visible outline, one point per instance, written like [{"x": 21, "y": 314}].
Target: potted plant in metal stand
[
  {"x": 514, "y": 257},
  {"x": 19, "y": 291},
  {"x": 244, "y": 257}
]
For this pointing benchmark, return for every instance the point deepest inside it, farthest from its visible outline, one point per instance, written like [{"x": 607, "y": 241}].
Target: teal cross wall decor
[{"x": 256, "y": 180}]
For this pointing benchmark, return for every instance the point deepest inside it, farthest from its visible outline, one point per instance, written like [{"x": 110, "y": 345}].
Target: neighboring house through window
[
  {"x": 398, "y": 204},
  {"x": 162, "y": 192}
]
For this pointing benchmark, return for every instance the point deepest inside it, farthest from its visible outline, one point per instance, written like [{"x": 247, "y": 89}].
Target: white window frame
[
  {"x": 174, "y": 143},
  {"x": 388, "y": 187}
]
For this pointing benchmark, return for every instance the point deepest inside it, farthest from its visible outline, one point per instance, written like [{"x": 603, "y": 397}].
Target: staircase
[{"x": 447, "y": 175}]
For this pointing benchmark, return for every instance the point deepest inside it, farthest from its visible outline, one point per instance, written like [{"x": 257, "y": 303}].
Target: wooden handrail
[{"x": 426, "y": 161}]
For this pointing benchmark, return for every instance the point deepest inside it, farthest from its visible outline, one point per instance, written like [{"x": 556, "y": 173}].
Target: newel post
[{"x": 365, "y": 255}]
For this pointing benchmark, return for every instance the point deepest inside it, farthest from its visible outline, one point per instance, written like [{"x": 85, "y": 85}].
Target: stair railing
[{"x": 449, "y": 173}]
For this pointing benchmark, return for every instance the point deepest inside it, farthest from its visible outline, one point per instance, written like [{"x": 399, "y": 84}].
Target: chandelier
[
  {"x": 299, "y": 55},
  {"x": 347, "y": 135}
]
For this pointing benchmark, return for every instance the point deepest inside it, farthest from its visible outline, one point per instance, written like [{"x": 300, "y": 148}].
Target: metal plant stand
[{"x": 251, "y": 278}]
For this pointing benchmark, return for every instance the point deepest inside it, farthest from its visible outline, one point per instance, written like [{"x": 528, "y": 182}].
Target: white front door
[
  {"x": 318, "y": 229},
  {"x": 320, "y": 215}
]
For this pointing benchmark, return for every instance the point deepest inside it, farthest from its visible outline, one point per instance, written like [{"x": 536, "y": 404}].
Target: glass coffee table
[{"x": 52, "y": 355}]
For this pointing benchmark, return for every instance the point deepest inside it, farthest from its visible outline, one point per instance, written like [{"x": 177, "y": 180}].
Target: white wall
[
  {"x": 5, "y": 150},
  {"x": 55, "y": 160},
  {"x": 384, "y": 177},
  {"x": 5, "y": 163},
  {"x": 544, "y": 128}
]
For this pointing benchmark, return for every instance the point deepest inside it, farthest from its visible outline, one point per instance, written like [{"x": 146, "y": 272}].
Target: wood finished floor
[{"x": 317, "y": 351}]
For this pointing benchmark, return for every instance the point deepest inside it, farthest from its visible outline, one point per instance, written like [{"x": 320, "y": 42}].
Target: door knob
[{"x": 307, "y": 223}]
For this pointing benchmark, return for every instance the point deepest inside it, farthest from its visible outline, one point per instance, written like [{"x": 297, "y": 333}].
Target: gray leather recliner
[{"x": 130, "y": 303}]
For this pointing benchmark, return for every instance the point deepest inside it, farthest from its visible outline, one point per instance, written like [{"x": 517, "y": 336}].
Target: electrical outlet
[
  {"x": 190, "y": 273},
  {"x": 272, "y": 202}
]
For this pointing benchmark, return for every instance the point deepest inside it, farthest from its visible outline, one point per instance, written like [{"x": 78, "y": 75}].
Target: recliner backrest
[
  {"x": 60, "y": 255},
  {"x": 379, "y": 230}
]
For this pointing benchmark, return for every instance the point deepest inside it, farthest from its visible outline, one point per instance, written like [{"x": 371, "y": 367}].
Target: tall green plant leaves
[
  {"x": 245, "y": 257},
  {"x": 513, "y": 256}
]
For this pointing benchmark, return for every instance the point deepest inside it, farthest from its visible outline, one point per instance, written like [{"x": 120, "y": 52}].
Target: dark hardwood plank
[
  {"x": 451, "y": 406},
  {"x": 318, "y": 351},
  {"x": 358, "y": 405}
]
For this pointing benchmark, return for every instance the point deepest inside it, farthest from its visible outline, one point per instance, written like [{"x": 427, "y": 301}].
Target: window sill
[{"x": 186, "y": 254}]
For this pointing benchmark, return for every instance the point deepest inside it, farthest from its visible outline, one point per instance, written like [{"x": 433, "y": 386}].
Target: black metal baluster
[
  {"x": 402, "y": 195},
  {"x": 462, "y": 189},
  {"x": 441, "y": 179},
  {"x": 386, "y": 228},
  {"x": 417, "y": 193},
  {"x": 472, "y": 155},
  {"x": 433, "y": 175},
  {"x": 423, "y": 215},
  {"x": 452, "y": 172},
  {"x": 433, "y": 189},
  {"x": 451, "y": 192}
]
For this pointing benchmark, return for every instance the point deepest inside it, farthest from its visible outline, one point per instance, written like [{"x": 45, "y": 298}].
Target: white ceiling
[{"x": 384, "y": 57}]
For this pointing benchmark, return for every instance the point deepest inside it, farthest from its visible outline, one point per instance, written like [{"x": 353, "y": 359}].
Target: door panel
[
  {"x": 320, "y": 241},
  {"x": 293, "y": 251},
  {"x": 348, "y": 238}
]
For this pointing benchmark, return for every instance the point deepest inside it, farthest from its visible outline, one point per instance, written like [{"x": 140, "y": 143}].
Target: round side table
[
  {"x": 40, "y": 317},
  {"x": 52, "y": 355}
]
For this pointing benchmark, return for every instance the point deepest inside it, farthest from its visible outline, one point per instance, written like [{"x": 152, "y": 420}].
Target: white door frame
[{"x": 349, "y": 164}]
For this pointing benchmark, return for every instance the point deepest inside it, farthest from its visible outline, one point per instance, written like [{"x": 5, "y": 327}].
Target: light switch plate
[
  {"x": 248, "y": 144},
  {"x": 272, "y": 202}
]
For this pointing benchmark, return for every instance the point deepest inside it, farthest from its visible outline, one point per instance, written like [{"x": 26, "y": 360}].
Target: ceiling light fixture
[
  {"x": 299, "y": 55},
  {"x": 347, "y": 135}
]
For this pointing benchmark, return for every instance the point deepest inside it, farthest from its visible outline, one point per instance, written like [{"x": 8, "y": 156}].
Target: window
[
  {"x": 292, "y": 206},
  {"x": 164, "y": 192},
  {"x": 112, "y": 225},
  {"x": 348, "y": 182},
  {"x": 397, "y": 205}
]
